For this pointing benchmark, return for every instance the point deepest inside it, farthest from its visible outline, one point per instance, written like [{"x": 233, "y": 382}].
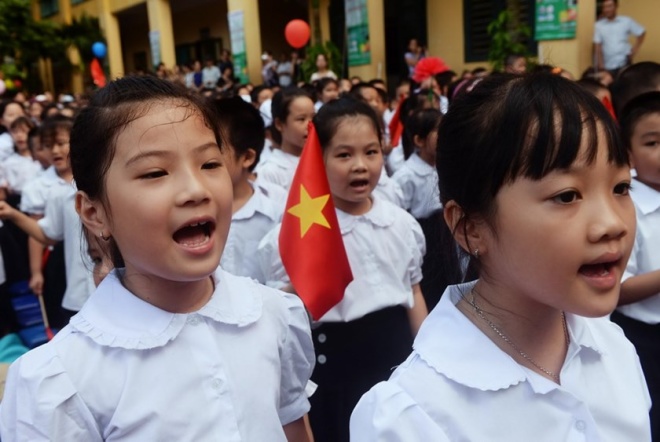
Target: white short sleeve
[
  {"x": 59, "y": 410},
  {"x": 418, "y": 249},
  {"x": 636, "y": 29},
  {"x": 269, "y": 260},
  {"x": 52, "y": 223},
  {"x": 297, "y": 362},
  {"x": 598, "y": 37},
  {"x": 386, "y": 413}
]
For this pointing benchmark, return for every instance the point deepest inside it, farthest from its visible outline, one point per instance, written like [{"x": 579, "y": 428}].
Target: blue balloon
[{"x": 99, "y": 49}]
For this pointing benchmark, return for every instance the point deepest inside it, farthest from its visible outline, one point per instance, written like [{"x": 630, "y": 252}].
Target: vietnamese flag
[
  {"x": 396, "y": 126},
  {"x": 310, "y": 241},
  {"x": 608, "y": 105}
]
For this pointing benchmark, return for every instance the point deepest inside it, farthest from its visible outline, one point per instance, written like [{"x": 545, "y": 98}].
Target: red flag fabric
[
  {"x": 97, "y": 73},
  {"x": 608, "y": 105},
  {"x": 310, "y": 241},
  {"x": 396, "y": 126}
]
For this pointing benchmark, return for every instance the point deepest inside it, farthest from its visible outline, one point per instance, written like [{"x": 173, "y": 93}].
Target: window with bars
[
  {"x": 478, "y": 14},
  {"x": 48, "y": 8}
]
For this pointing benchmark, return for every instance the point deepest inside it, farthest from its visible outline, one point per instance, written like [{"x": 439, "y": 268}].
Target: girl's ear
[
  {"x": 249, "y": 157},
  {"x": 93, "y": 215},
  {"x": 467, "y": 232},
  {"x": 418, "y": 141},
  {"x": 278, "y": 124}
]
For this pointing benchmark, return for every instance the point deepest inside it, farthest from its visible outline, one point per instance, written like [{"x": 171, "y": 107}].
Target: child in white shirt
[
  {"x": 182, "y": 350},
  {"x": 534, "y": 184}
]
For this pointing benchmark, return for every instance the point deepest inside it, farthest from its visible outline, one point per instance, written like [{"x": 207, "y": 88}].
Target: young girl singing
[
  {"x": 534, "y": 181},
  {"x": 370, "y": 331},
  {"x": 167, "y": 347}
]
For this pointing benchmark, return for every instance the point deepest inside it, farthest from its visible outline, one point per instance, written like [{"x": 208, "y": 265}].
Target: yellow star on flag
[{"x": 310, "y": 211}]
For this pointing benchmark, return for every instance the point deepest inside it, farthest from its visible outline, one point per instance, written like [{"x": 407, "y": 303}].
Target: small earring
[
  {"x": 476, "y": 253},
  {"x": 104, "y": 238}
]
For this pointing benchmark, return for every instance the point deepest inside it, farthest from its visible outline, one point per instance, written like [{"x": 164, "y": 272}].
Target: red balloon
[{"x": 297, "y": 33}]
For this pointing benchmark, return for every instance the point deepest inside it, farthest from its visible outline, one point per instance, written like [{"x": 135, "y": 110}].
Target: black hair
[
  {"x": 35, "y": 132},
  {"x": 254, "y": 95},
  {"x": 591, "y": 85},
  {"x": 111, "y": 109},
  {"x": 356, "y": 90},
  {"x": 54, "y": 124},
  {"x": 635, "y": 110},
  {"x": 633, "y": 81},
  {"x": 322, "y": 84},
  {"x": 512, "y": 58},
  {"x": 22, "y": 121},
  {"x": 420, "y": 123},
  {"x": 511, "y": 126},
  {"x": 279, "y": 108},
  {"x": 242, "y": 126},
  {"x": 334, "y": 112}
]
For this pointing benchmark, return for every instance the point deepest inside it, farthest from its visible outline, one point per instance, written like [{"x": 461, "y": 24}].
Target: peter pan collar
[
  {"x": 468, "y": 357},
  {"x": 646, "y": 198},
  {"x": 419, "y": 166},
  {"x": 114, "y": 317},
  {"x": 378, "y": 215}
]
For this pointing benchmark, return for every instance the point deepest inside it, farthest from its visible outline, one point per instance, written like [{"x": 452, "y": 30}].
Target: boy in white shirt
[
  {"x": 639, "y": 306},
  {"x": 255, "y": 210}
]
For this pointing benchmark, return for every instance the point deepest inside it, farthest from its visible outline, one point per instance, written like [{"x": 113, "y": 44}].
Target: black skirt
[{"x": 351, "y": 357}]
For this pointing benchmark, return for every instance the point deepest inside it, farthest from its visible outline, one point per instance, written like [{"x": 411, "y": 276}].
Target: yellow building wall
[
  {"x": 376, "y": 69},
  {"x": 646, "y": 14},
  {"x": 187, "y": 24},
  {"x": 88, "y": 7}
]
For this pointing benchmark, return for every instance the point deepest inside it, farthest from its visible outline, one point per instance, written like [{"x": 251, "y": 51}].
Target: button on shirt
[
  {"x": 235, "y": 370},
  {"x": 385, "y": 248},
  {"x": 419, "y": 182},
  {"x": 457, "y": 385},
  {"x": 645, "y": 256}
]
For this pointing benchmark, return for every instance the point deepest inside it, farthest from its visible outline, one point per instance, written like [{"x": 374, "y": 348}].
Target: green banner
[
  {"x": 357, "y": 32},
  {"x": 555, "y": 19},
  {"x": 237, "y": 36}
]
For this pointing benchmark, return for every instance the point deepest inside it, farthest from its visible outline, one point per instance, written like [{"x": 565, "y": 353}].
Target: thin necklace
[{"x": 505, "y": 338}]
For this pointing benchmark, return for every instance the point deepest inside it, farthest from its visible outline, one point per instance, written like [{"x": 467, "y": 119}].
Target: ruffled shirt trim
[
  {"x": 379, "y": 215},
  {"x": 470, "y": 358},
  {"x": 114, "y": 317}
]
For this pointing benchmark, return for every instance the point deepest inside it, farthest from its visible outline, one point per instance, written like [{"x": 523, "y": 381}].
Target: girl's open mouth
[{"x": 194, "y": 234}]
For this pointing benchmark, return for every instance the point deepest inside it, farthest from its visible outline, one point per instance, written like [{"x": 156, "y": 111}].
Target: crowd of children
[{"x": 491, "y": 238}]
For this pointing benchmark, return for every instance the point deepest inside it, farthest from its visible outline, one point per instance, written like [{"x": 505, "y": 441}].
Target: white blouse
[
  {"x": 235, "y": 370},
  {"x": 279, "y": 169},
  {"x": 419, "y": 182},
  {"x": 457, "y": 385},
  {"x": 385, "y": 249},
  {"x": 645, "y": 256}
]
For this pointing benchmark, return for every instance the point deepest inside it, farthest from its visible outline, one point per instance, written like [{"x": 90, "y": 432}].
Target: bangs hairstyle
[
  {"x": 514, "y": 126},
  {"x": 279, "y": 108},
  {"x": 636, "y": 109},
  {"x": 111, "y": 109},
  {"x": 335, "y": 111}
]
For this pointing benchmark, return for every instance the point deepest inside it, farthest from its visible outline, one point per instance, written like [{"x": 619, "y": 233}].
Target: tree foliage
[
  {"x": 332, "y": 54},
  {"x": 24, "y": 39},
  {"x": 508, "y": 36}
]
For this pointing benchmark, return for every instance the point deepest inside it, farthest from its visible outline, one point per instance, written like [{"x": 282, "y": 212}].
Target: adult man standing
[{"x": 611, "y": 45}]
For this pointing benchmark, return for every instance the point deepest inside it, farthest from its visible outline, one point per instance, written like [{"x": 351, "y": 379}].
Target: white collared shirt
[
  {"x": 613, "y": 35},
  {"x": 20, "y": 170},
  {"x": 385, "y": 249},
  {"x": 123, "y": 369},
  {"x": 388, "y": 189},
  {"x": 280, "y": 168},
  {"x": 6, "y": 145},
  {"x": 419, "y": 182},
  {"x": 62, "y": 223},
  {"x": 248, "y": 226},
  {"x": 36, "y": 191},
  {"x": 457, "y": 385},
  {"x": 645, "y": 256}
]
